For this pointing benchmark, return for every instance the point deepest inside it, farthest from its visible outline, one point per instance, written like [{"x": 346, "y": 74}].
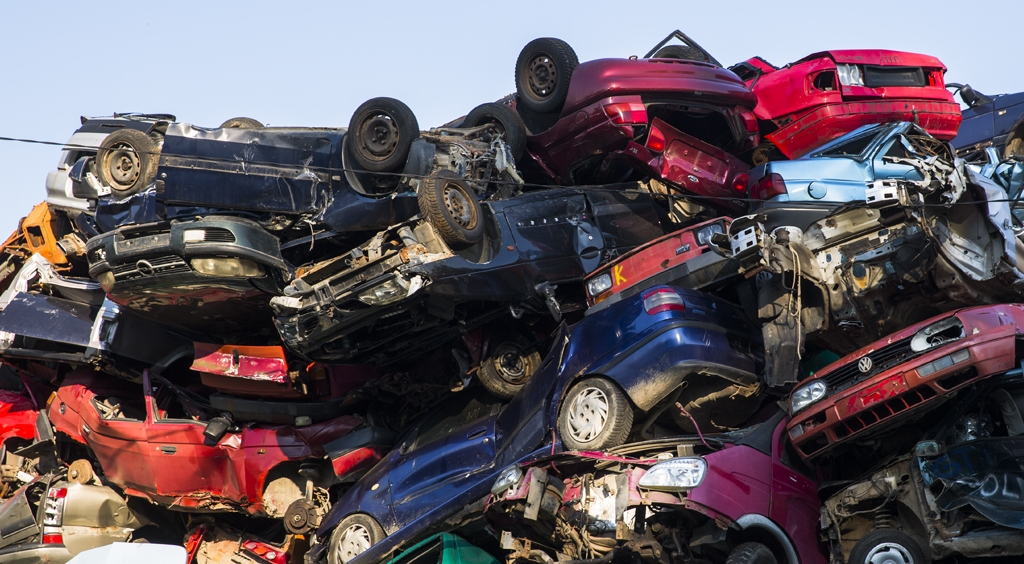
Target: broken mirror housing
[
  {"x": 508, "y": 478},
  {"x": 675, "y": 475},
  {"x": 807, "y": 394}
]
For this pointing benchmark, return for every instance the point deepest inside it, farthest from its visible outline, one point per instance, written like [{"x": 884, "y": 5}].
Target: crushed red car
[
  {"x": 911, "y": 371},
  {"x": 825, "y": 95}
]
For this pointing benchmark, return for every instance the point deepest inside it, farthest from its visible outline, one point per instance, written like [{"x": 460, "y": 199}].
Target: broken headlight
[
  {"x": 227, "y": 267},
  {"x": 508, "y": 478},
  {"x": 937, "y": 334},
  {"x": 850, "y": 75},
  {"x": 806, "y": 395},
  {"x": 391, "y": 291},
  {"x": 675, "y": 475},
  {"x": 599, "y": 285}
]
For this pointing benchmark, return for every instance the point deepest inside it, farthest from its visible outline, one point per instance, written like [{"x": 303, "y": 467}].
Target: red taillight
[
  {"x": 627, "y": 113},
  {"x": 266, "y": 552},
  {"x": 57, "y": 493},
  {"x": 663, "y": 299},
  {"x": 53, "y": 539},
  {"x": 740, "y": 183},
  {"x": 749, "y": 122},
  {"x": 768, "y": 186},
  {"x": 655, "y": 140}
]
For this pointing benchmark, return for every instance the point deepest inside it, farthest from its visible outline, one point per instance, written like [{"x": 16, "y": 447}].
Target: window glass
[
  {"x": 853, "y": 146},
  {"x": 455, "y": 414}
]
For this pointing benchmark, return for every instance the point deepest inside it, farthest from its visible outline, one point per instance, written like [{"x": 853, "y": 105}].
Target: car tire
[
  {"x": 508, "y": 368},
  {"x": 543, "y": 71},
  {"x": 683, "y": 52},
  {"x": 353, "y": 536},
  {"x": 449, "y": 204},
  {"x": 751, "y": 553},
  {"x": 241, "y": 123},
  {"x": 127, "y": 161},
  {"x": 508, "y": 121},
  {"x": 893, "y": 545},
  {"x": 382, "y": 131},
  {"x": 595, "y": 415}
]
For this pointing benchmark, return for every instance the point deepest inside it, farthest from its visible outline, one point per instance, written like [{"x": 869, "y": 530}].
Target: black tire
[
  {"x": 543, "y": 71},
  {"x": 127, "y": 161},
  {"x": 595, "y": 415},
  {"x": 449, "y": 204},
  {"x": 898, "y": 546},
  {"x": 508, "y": 121},
  {"x": 681, "y": 52},
  {"x": 751, "y": 553},
  {"x": 508, "y": 368},
  {"x": 382, "y": 130},
  {"x": 241, "y": 123},
  {"x": 353, "y": 535}
]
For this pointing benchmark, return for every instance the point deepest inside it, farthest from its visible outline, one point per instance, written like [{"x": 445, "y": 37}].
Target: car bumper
[
  {"x": 35, "y": 554},
  {"x": 891, "y": 396},
  {"x": 817, "y": 127}
]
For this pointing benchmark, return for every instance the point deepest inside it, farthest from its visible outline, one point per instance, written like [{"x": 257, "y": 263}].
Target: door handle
[
  {"x": 168, "y": 449},
  {"x": 476, "y": 433}
]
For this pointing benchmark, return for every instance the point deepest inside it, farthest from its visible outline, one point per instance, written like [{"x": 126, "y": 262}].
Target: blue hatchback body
[{"x": 449, "y": 461}]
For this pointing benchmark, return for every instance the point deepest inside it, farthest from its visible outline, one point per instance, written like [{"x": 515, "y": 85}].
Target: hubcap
[
  {"x": 889, "y": 553},
  {"x": 124, "y": 164},
  {"x": 354, "y": 541},
  {"x": 543, "y": 76},
  {"x": 458, "y": 205},
  {"x": 588, "y": 414},
  {"x": 380, "y": 135}
]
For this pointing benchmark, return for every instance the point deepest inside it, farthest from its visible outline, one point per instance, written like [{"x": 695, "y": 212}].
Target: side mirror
[
  {"x": 925, "y": 449},
  {"x": 216, "y": 428},
  {"x": 968, "y": 95}
]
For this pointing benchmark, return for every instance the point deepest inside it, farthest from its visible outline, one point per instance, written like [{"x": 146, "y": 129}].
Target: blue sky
[{"x": 312, "y": 63}]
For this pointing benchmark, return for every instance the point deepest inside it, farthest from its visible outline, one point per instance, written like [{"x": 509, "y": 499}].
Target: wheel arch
[{"x": 758, "y": 528}]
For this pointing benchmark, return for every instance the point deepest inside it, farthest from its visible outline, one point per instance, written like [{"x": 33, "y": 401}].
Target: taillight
[
  {"x": 655, "y": 140},
  {"x": 935, "y": 79},
  {"x": 266, "y": 552},
  {"x": 749, "y": 122},
  {"x": 53, "y": 538},
  {"x": 627, "y": 113},
  {"x": 663, "y": 299},
  {"x": 53, "y": 507},
  {"x": 768, "y": 186},
  {"x": 740, "y": 183}
]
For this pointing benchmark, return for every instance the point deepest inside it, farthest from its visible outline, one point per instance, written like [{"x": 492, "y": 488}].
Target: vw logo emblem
[{"x": 865, "y": 364}]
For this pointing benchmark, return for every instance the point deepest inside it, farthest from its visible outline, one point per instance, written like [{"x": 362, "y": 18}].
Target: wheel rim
[
  {"x": 543, "y": 76},
  {"x": 353, "y": 542},
  {"x": 123, "y": 164},
  {"x": 510, "y": 364},
  {"x": 458, "y": 205},
  {"x": 588, "y": 415},
  {"x": 380, "y": 135},
  {"x": 889, "y": 553}
]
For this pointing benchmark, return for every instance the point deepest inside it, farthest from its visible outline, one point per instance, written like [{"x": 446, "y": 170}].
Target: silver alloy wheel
[
  {"x": 353, "y": 542},
  {"x": 588, "y": 415},
  {"x": 889, "y": 553}
]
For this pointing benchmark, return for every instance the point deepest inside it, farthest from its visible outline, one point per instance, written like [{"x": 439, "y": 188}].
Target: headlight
[
  {"x": 241, "y": 268},
  {"x": 704, "y": 233},
  {"x": 599, "y": 285},
  {"x": 389, "y": 292},
  {"x": 675, "y": 475},
  {"x": 937, "y": 334},
  {"x": 507, "y": 478},
  {"x": 806, "y": 395},
  {"x": 849, "y": 75}
]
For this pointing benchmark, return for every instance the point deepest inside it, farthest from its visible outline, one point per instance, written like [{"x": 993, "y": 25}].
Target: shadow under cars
[{"x": 406, "y": 291}]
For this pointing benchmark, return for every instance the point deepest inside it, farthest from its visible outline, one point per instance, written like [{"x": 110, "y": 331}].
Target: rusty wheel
[{"x": 127, "y": 161}]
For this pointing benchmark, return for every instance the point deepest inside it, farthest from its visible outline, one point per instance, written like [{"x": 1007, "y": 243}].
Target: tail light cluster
[
  {"x": 265, "y": 552},
  {"x": 740, "y": 182},
  {"x": 655, "y": 140},
  {"x": 768, "y": 186},
  {"x": 627, "y": 113},
  {"x": 53, "y": 515},
  {"x": 663, "y": 299}
]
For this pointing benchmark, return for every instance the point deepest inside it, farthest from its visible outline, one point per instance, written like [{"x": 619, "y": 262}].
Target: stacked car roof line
[{"x": 557, "y": 329}]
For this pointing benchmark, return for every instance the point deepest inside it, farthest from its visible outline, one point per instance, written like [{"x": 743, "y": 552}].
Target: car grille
[
  {"x": 881, "y": 359},
  {"x": 150, "y": 267}
]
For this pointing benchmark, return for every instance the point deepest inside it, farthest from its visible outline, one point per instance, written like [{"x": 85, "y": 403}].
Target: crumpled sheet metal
[{"x": 986, "y": 474}]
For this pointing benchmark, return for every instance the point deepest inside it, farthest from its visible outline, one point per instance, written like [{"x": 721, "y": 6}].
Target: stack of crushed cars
[{"x": 642, "y": 310}]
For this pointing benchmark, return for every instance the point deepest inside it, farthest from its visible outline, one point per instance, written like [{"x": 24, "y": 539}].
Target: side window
[
  {"x": 455, "y": 415},
  {"x": 116, "y": 407},
  {"x": 791, "y": 459}
]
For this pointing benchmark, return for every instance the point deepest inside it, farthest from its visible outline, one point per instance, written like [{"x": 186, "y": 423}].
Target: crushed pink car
[
  {"x": 160, "y": 443},
  {"x": 826, "y": 95}
]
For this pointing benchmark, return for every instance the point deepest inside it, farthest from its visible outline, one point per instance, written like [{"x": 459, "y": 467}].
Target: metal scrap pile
[{"x": 558, "y": 329}]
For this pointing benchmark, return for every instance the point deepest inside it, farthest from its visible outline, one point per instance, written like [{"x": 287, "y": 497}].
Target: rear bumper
[
  {"x": 823, "y": 124},
  {"x": 35, "y": 553}
]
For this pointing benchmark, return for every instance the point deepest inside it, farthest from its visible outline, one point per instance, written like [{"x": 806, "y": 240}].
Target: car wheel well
[{"x": 759, "y": 535}]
